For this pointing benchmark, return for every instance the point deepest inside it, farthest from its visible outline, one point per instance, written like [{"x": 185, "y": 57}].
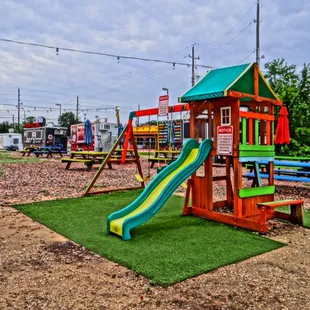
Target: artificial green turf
[
  {"x": 167, "y": 249},
  {"x": 6, "y": 158}
]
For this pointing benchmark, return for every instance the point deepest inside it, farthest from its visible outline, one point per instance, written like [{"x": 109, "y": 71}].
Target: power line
[
  {"x": 246, "y": 57},
  {"x": 118, "y": 57},
  {"x": 240, "y": 20},
  {"x": 235, "y": 37}
]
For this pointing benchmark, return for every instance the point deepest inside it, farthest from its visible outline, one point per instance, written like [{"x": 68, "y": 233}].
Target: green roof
[{"x": 217, "y": 82}]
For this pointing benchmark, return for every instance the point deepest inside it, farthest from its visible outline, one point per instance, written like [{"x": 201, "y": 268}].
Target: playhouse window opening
[{"x": 226, "y": 116}]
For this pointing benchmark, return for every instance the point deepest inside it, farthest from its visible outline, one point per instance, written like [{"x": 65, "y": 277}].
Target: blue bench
[
  {"x": 281, "y": 177},
  {"x": 302, "y": 175}
]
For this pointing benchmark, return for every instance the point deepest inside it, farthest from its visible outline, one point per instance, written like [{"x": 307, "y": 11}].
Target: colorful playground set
[{"x": 238, "y": 107}]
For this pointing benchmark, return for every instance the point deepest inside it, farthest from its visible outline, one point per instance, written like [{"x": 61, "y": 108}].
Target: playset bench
[{"x": 267, "y": 211}]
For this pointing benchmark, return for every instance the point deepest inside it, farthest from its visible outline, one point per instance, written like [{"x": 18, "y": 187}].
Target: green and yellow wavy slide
[{"x": 159, "y": 189}]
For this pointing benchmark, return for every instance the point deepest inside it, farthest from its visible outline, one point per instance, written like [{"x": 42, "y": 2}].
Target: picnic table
[
  {"x": 163, "y": 157},
  {"x": 28, "y": 150},
  {"x": 49, "y": 151},
  {"x": 89, "y": 158}
]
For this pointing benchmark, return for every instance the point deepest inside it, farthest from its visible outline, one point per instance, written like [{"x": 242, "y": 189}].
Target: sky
[{"x": 222, "y": 31}]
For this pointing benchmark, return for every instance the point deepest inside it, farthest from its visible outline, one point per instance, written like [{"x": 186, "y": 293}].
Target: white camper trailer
[{"x": 10, "y": 139}]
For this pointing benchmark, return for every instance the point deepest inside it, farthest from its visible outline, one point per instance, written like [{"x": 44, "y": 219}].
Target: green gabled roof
[{"x": 217, "y": 82}]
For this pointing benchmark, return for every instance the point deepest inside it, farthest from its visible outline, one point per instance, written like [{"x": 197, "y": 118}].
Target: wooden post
[{"x": 138, "y": 163}]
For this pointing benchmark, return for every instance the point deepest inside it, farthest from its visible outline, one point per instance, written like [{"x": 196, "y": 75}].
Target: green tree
[
  {"x": 67, "y": 119},
  {"x": 293, "y": 88},
  {"x": 4, "y": 127}
]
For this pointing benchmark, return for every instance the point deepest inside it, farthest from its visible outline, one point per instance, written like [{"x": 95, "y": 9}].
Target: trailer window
[
  {"x": 15, "y": 141},
  {"x": 39, "y": 134}
]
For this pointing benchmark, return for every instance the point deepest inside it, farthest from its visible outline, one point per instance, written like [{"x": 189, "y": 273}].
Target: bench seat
[
  {"x": 267, "y": 210},
  {"x": 282, "y": 177}
]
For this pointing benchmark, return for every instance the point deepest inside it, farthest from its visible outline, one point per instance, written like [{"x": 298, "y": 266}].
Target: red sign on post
[
  {"x": 224, "y": 140},
  {"x": 163, "y": 105}
]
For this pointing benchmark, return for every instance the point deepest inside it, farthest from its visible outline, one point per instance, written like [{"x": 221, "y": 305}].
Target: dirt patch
[{"x": 40, "y": 269}]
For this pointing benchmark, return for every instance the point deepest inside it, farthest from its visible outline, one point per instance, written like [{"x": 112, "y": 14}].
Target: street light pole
[{"x": 166, "y": 89}]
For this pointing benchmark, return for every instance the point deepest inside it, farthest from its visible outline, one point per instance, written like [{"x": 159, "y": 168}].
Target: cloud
[{"x": 158, "y": 29}]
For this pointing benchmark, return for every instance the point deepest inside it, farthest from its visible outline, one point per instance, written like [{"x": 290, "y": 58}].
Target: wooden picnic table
[
  {"x": 89, "y": 158},
  {"x": 28, "y": 150}
]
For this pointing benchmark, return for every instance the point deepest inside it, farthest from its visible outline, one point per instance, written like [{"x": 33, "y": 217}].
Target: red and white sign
[
  {"x": 224, "y": 140},
  {"x": 163, "y": 105}
]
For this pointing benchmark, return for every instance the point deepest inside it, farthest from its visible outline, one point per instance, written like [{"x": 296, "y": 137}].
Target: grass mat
[{"x": 167, "y": 249}]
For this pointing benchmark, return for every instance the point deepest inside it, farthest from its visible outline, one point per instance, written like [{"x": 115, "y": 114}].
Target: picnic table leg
[
  {"x": 109, "y": 165},
  {"x": 68, "y": 165},
  {"x": 89, "y": 166}
]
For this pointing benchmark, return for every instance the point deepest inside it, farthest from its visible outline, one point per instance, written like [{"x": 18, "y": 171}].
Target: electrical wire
[
  {"x": 118, "y": 57},
  {"x": 240, "y": 20},
  {"x": 246, "y": 57},
  {"x": 235, "y": 37}
]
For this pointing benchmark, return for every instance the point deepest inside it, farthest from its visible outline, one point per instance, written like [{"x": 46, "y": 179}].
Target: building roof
[{"x": 238, "y": 78}]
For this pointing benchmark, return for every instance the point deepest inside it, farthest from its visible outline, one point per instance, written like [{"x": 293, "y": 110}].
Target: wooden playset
[
  {"x": 238, "y": 107},
  {"x": 235, "y": 107}
]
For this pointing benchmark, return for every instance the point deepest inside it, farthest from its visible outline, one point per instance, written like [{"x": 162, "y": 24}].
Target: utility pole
[
  {"x": 77, "y": 107},
  {"x": 258, "y": 34},
  {"x": 193, "y": 63},
  {"x": 13, "y": 120},
  {"x": 18, "y": 107}
]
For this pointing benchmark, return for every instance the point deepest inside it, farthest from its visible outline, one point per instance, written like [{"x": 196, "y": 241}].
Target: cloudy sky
[{"x": 223, "y": 32}]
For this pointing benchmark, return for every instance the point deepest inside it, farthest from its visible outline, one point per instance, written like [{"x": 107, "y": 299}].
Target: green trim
[
  {"x": 256, "y": 191},
  {"x": 256, "y": 134},
  {"x": 244, "y": 130},
  {"x": 256, "y": 153},
  {"x": 248, "y": 147}
]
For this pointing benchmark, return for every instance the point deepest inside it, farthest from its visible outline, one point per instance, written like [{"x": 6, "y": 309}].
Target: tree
[
  {"x": 67, "y": 119},
  {"x": 4, "y": 127},
  {"x": 293, "y": 89}
]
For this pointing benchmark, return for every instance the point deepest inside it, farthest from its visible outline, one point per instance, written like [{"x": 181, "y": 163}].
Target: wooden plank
[
  {"x": 251, "y": 192},
  {"x": 267, "y": 148},
  {"x": 235, "y": 94},
  {"x": 255, "y": 115},
  {"x": 187, "y": 210},
  {"x": 246, "y": 223},
  {"x": 281, "y": 203},
  {"x": 220, "y": 204}
]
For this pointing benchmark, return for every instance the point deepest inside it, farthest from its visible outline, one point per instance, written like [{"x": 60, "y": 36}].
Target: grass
[
  {"x": 167, "y": 249},
  {"x": 6, "y": 158}
]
